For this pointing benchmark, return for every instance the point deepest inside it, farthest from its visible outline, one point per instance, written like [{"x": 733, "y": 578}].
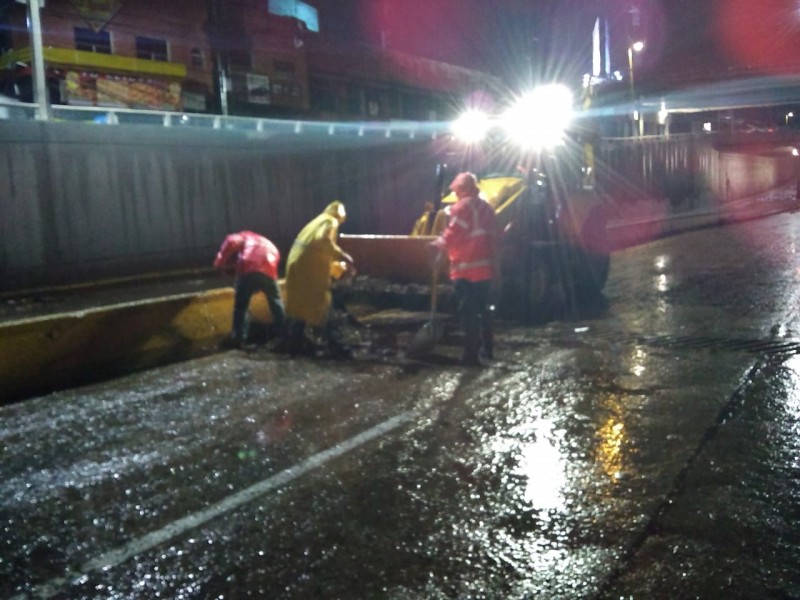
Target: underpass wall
[
  {"x": 742, "y": 175},
  {"x": 81, "y": 202},
  {"x": 687, "y": 171}
]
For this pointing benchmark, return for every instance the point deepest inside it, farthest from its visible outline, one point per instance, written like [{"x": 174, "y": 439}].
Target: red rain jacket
[
  {"x": 252, "y": 252},
  {"x": 470, "y": 238}
]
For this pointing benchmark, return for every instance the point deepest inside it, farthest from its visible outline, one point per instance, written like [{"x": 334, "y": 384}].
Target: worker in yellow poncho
[
  {"x": 308, "y": 275},
  {"x": 422, "y": 226}
]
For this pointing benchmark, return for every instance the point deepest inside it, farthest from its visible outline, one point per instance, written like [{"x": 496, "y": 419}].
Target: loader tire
[
  {"x": 592, "y": 260},
  {"x": 526, "y": 296}
]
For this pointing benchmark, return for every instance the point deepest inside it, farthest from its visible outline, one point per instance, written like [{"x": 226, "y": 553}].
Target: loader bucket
[{"x": 397, "y": 258}]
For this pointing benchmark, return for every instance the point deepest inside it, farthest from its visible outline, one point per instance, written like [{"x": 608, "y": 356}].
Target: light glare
[
  {"x": 472, "y": 126},
  {"x": 539, "y": 119}
]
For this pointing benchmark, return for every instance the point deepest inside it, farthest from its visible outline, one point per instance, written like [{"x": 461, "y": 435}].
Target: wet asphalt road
[{"x": 649, "y": 448}]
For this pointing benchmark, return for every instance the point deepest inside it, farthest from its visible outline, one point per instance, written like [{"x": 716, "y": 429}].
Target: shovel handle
[{"x": 434, "y": 282}]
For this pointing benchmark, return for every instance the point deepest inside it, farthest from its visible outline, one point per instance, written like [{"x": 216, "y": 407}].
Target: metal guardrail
[
  {"x": 14, "y": 110},
  {"x": 22, "y": 111}
]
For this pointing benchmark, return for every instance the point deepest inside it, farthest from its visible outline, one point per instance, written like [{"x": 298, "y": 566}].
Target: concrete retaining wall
[
  {"x": 685, "y": 170},
  {"x": 82, "y": 202}
]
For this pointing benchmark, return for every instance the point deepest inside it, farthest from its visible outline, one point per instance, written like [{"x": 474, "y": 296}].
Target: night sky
[
  {"x": 500, "y": 36},
  {"x": 551, "y": 39}
]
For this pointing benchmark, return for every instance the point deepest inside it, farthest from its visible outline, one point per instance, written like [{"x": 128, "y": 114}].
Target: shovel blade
[{"x": 425, "y": 340}]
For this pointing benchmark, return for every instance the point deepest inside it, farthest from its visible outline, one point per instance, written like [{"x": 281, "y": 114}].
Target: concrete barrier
[{"x": 43, "y": 354}]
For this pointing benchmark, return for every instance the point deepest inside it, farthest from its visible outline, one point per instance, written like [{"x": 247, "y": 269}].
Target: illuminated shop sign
[
  {"x": 99, "y": 89},
  {"x": 297, "y": 9}
]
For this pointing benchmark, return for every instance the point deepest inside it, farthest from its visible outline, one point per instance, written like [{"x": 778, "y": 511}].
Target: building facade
[
  {"x": 113, "y": 53},
  {"x": 221, "y": 56}
]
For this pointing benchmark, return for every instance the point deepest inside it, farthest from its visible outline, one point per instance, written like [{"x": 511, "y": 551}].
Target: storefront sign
[
  {"x": 258, "y": 89},
  {"x": 99, "y": 89},
  {"x": 193, "y": 102}
]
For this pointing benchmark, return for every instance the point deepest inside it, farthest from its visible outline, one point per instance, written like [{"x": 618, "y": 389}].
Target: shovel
[{"x": 424, "y": 341}]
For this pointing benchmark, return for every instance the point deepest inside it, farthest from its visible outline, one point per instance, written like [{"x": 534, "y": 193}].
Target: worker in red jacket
[
  {"x": 256, "y": 259},
  {"x": 470, "y": 240}
]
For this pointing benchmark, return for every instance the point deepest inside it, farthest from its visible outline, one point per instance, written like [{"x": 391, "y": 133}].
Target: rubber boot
[
  {"x": 295, "y": 341},
  {"x": 337, "y": 347},
  {"x": 487, "y": 338},
  {"x": 472, "y": 344}
]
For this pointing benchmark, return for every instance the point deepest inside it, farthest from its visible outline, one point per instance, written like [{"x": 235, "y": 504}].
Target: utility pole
[
  {"x": 218, "y": 31},
  {"x": 40, "y": 93}
]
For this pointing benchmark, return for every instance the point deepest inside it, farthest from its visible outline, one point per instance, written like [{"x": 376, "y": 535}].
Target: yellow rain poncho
[
  {"x": 422, "y": 226},
  {"x": 308, "y": 270}
]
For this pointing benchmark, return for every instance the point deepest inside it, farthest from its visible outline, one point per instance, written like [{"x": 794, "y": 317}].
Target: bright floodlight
[
  {"x": 472, "y": 126},
  {"x": 540, "y": 119}
]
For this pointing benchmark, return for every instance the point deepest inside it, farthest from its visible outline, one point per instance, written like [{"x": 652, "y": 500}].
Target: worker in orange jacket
[{"x": 470, "y": 240}]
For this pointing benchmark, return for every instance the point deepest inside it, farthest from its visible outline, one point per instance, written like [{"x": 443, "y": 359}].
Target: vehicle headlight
[
  {"x": 539, "y": 119},
  {"x": 472, "y": 126}
]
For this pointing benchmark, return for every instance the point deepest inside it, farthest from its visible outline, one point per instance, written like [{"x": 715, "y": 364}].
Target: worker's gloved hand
[
  {"x": 338, "y": 269},
  {"x": 350, "y": 272},
  {"x": 438, "y": 249}
]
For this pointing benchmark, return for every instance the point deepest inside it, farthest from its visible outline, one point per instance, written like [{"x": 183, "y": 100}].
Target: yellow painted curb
[{"x": 42, "y": 354}]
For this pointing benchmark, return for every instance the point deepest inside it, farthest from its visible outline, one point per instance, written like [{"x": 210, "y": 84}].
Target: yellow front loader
[{"x": 554, "y": 250}]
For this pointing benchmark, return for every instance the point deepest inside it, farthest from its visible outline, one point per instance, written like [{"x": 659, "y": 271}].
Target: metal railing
[
  {"x": 14, "y": 110},
  {"x": 11, "y": 109}
]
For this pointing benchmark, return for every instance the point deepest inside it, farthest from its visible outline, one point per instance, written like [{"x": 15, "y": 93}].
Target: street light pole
[
  {"x": 40, "y": 93},
  {"x": 637, "y": 118}
]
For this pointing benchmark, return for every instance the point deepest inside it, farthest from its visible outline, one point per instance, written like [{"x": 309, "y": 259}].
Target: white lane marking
[{"x": 119, "y": 555}]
